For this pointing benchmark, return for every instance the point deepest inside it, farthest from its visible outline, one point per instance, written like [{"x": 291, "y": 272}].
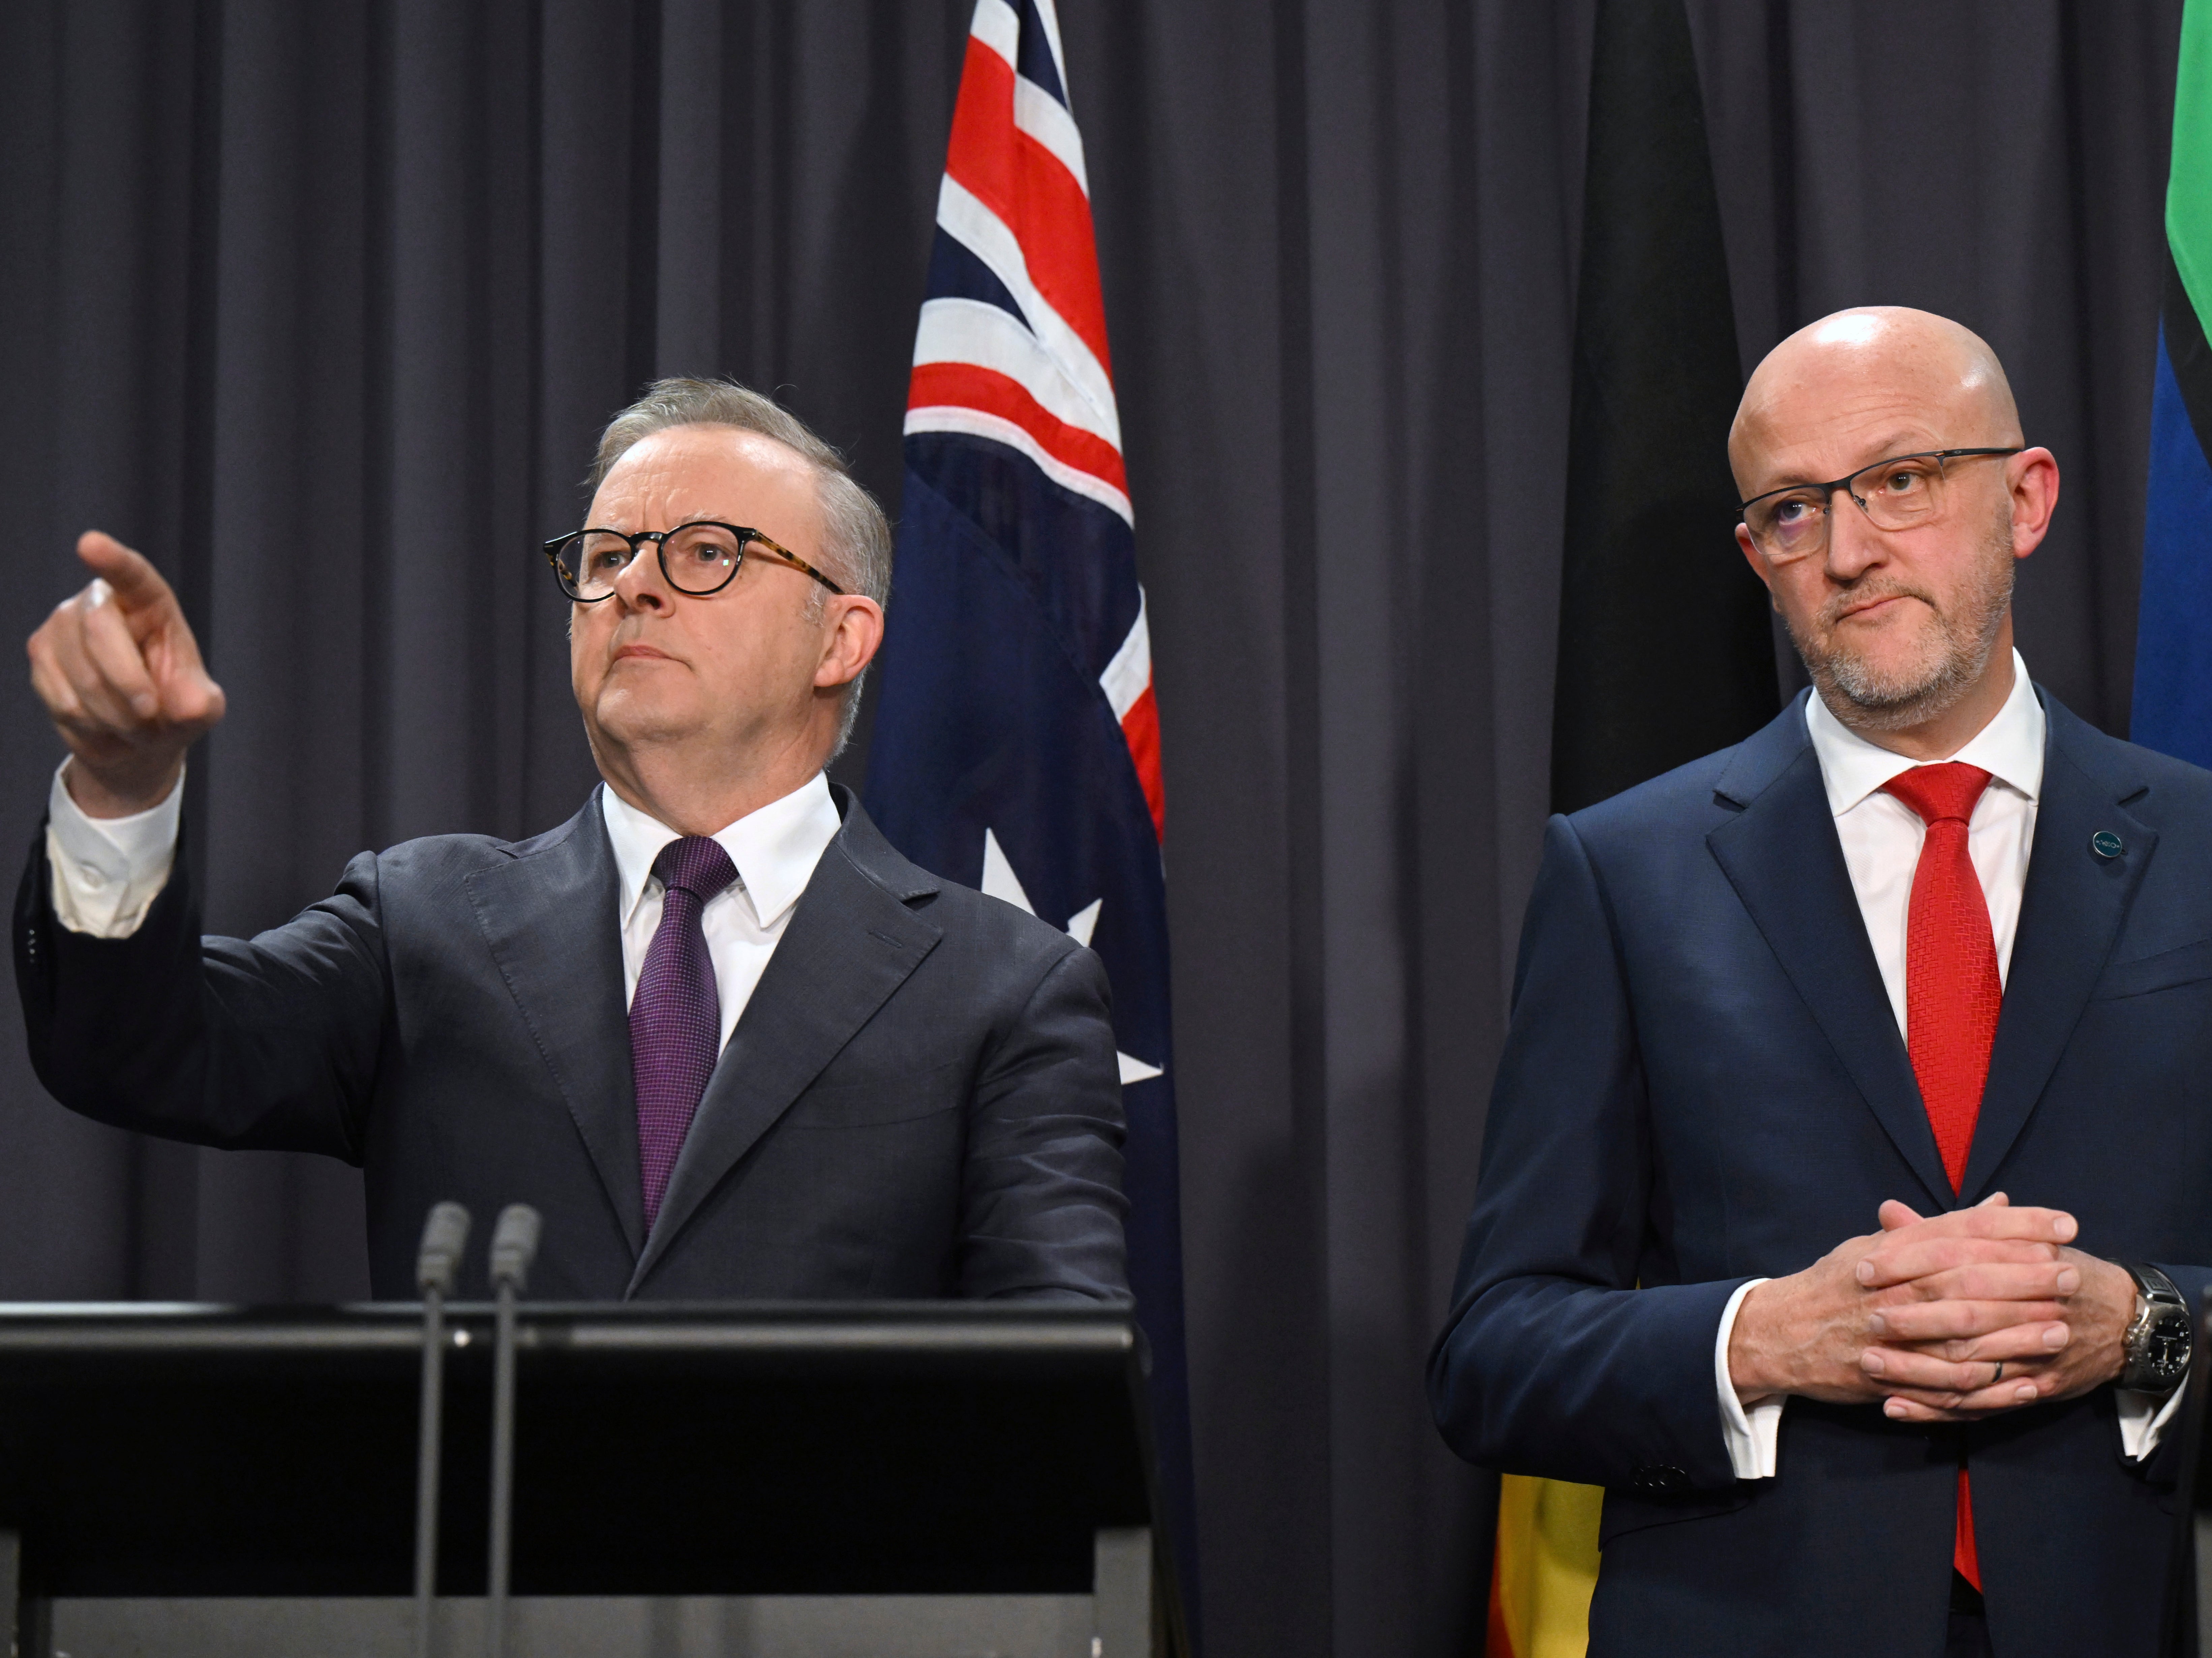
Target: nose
[
  {"x": 642, "y": 585},
  {"x": 1855, "y": 545}
]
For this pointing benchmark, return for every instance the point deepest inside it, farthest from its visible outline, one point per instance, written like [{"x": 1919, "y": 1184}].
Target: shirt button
[{"x": 94, "y": 879}]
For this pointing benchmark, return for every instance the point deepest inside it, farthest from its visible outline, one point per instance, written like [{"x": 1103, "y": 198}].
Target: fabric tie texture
[
  {"x": 676, "y": 1015},
  {"x": 1951, "y": 999}
]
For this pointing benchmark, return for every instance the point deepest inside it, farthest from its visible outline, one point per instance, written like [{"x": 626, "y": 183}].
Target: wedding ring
[{"x": 1999, "y": 1377}]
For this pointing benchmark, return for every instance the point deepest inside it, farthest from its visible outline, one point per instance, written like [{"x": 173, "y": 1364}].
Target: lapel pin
[{"x": 2105, "y": 844}]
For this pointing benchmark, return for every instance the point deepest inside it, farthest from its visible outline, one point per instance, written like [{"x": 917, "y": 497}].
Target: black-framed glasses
[
  {"x": 698, "y": 558},
  {"x": 1894, "y": 494}
]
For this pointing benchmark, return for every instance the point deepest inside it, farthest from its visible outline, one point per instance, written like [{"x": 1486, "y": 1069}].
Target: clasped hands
[{"x": 1944, "y": 1319}]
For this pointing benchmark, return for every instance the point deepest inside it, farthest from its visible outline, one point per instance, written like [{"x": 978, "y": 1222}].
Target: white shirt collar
[
  {"x": 2009, "y": 748},
  {"x": 774, "y": 848}
]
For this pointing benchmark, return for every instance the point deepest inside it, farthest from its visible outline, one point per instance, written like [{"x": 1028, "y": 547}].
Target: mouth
[
  {"x": 1875, "y": 609},
  {"x": 640, "y": 653}
]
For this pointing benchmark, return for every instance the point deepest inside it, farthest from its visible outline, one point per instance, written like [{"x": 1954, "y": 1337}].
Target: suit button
[{"x": 1657, "y": 1479}]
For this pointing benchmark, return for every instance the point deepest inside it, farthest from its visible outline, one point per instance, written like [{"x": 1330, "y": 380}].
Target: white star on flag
[{"x": 999, "y": 881}]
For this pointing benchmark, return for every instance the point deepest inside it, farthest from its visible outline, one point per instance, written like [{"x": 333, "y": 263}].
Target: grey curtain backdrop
[{"x": 321, "y": 306}]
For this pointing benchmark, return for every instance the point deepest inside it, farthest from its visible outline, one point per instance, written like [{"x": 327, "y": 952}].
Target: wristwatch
[{"x": 2159, "y": 1343}]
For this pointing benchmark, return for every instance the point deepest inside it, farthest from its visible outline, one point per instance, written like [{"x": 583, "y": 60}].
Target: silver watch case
[{"x": 2160, "y": 1342}]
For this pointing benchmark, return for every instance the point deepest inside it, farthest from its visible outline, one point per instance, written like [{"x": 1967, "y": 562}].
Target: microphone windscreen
[
  {"x": 515, "y": 1244},
  {"x": 445, "y": 1235}
]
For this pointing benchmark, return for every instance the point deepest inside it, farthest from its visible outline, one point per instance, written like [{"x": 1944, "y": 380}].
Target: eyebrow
[
  {"x": 1891, "y": 448},
  {"x": 730, "y": 523}
]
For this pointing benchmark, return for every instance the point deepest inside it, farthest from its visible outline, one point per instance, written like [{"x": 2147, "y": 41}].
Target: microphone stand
[
  {"x": 445, "y": 1235},
  {"x": 514, "y": 1247}
]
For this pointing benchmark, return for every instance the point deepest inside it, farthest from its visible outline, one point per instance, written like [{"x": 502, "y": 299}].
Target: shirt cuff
[
  {"x": 1754, "y": 1433},
  {"x": 108, "y": 870},
  {"x": 2143, "y": 1418}
]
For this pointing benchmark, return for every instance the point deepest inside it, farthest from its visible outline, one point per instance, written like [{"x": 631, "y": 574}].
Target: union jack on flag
[{"x": 1017, "y": 744}]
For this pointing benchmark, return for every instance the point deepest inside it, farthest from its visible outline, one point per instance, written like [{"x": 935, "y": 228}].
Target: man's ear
[
  {"x": 849, "y": 643},
  {"x": 2033, "y": 478}
]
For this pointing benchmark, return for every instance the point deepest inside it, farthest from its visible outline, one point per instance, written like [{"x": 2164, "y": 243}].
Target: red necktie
[{"x": 1952, "y": 997}]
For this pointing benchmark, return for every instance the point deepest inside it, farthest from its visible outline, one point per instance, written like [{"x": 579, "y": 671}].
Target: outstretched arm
[
  {"x": 132, "y": 1017},
  {"x": 270, "y": 1043}
]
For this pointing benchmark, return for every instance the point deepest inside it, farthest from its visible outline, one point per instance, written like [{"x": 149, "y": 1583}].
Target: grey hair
[{"x": 856, "y": 538}]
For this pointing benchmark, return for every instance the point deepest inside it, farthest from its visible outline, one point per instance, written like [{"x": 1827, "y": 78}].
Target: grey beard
[{"x": 1867, "y": 701}]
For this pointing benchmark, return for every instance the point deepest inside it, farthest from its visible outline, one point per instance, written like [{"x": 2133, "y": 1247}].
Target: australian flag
[{"x": 1016, "y": 745}]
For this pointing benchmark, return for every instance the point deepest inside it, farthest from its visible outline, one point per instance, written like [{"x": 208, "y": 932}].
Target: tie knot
[
  {"x": 1939, "y": 792},
  {"x": 695, "y": 865}
]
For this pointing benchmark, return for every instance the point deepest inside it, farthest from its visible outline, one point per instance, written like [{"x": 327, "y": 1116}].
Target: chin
[
  {"x": 632, "y": 718},
  {"x": 1889, "y": 677},
  {"x": 1895, "y": 691},
  {"x": 1892, "y": 658}
]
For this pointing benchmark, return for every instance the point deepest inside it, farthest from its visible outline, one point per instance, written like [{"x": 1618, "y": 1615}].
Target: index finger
[
  {"x": 1894, "y": 1215},
  {"x": 1924, "y": 1255},
  {"x": 137, "y": 585},
  {"x": 1993, "y": 1221},
  {"x": 1986, "y": 1222}
]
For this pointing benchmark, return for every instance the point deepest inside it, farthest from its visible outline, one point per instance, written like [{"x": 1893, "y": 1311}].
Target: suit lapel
[
  {"x": 549, "y": 917},
  {"x": 2069, "y": 916},
  {"x": 1781, "y": 854},
  {"x": 851, "y": 943}
]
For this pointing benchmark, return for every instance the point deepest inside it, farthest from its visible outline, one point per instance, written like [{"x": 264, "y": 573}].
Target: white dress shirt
[
  {"x": 1881, "y": 836},
  {"x": 108, "y": 870},
  {"x": 774, "y": 849}
]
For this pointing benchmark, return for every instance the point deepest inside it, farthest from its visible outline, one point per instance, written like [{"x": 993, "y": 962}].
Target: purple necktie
[{"x": 676, "y": 1017}]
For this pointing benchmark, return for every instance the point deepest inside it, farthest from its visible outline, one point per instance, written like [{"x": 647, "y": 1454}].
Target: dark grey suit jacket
[{"x": 921, "y": 1100}]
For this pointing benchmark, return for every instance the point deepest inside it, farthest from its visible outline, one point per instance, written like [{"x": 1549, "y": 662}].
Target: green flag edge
[{"x": 2189, "y": 181}]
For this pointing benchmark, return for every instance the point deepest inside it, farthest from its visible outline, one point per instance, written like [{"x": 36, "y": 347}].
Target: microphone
[
  {"x": 437, "y": 1258},
  {"x": 514, "y": 1247}
]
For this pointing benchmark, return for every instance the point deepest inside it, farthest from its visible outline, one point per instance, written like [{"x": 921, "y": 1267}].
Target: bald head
[{"x": 1868, "y": 375}]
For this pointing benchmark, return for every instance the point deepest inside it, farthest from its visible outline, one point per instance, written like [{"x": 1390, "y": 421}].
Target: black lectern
[{"x": 755, "y": 1449}]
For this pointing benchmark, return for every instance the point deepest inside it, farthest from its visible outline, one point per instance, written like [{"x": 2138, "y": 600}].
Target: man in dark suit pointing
[
  {"x": 1925, "y": 941},
  {"x": 726, "y": 1039}
]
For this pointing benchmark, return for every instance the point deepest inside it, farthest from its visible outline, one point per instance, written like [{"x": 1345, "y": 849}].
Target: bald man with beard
[{"x": 1850, "y": 1139}]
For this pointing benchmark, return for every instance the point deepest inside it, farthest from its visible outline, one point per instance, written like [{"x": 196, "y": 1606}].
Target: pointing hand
[{"x": 120, "y": 674}]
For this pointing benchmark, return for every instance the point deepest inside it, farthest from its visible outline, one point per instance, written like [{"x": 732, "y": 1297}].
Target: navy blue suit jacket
[
  {"x": 1704, "y": 1083},
  {"x": 920, "y": 1099}
]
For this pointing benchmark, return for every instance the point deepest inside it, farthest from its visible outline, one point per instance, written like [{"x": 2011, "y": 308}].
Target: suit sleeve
[
  {"x": 1553, "y": 1361},
  {"x": 269, "y": 1044},
  {"x": 1042, "y": 1206}
]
